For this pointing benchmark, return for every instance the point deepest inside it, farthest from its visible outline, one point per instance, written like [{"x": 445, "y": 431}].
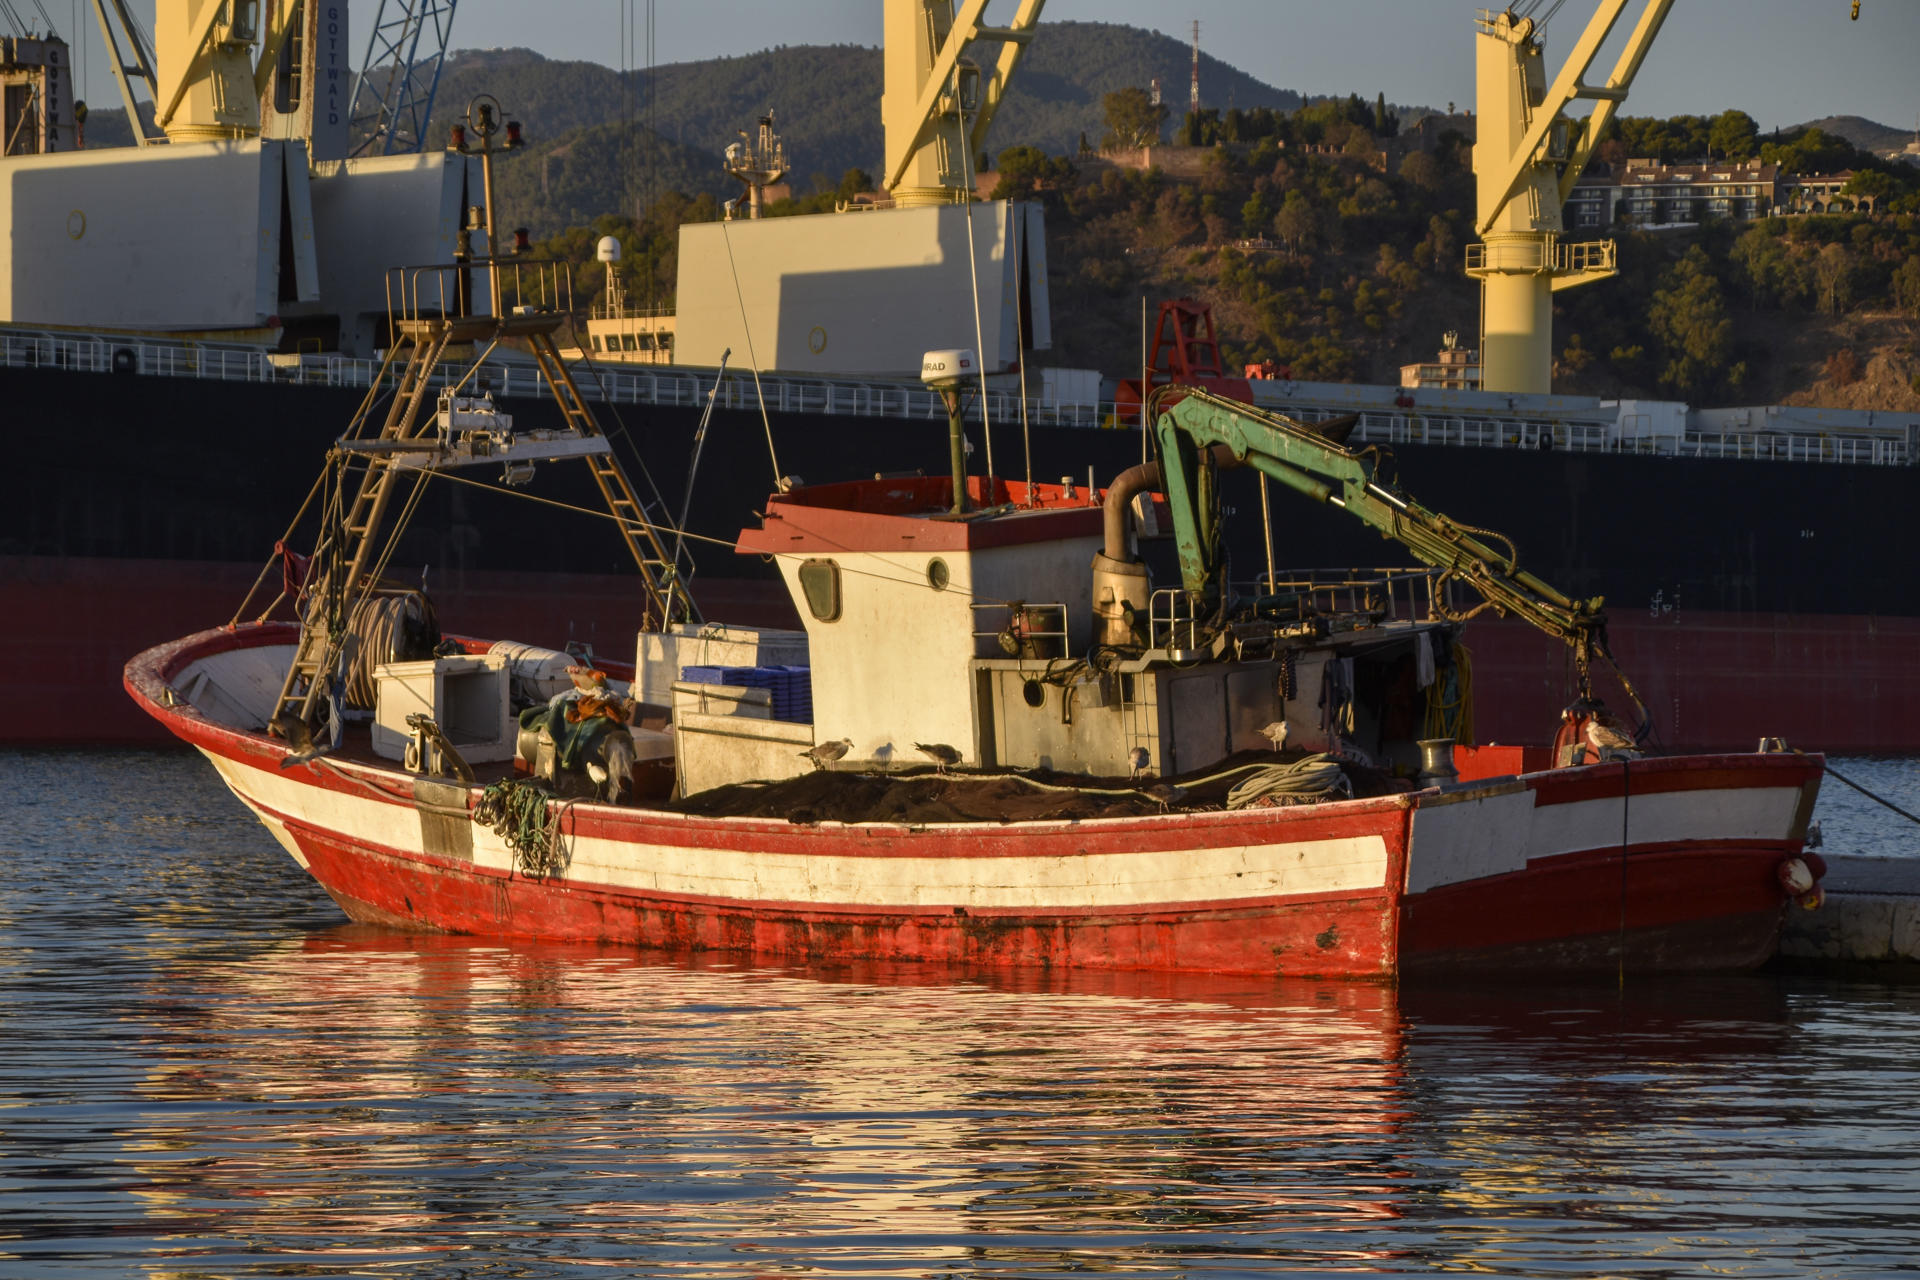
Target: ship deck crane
[
  {"x": 939, "y": 101},
  {"x": 1189, "y": 422}
]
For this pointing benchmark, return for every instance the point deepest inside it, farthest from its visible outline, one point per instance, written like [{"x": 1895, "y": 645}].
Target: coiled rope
[
  {"x": 517, "y": 812},
  {"x": 1450, "y": 699},
  {"x": 1296, "y": 782},
  {"x": 381, "y": 625}
]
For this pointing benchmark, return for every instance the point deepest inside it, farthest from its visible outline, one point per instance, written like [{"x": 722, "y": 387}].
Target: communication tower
[
  {"x": 759, "y": 160},
  {"x": 1193, "y": 92}
]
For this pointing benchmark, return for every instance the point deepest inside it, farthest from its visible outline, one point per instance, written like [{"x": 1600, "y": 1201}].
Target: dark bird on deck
[
  {"x": 292, "y": 730},
  {"x": 825, "y": 753},
  {"x": 1165, "y": 793},
  {"x": 1137, "y": 760},
  {"x": 1814, "y": 836},
  {"x": 940, "y": 753}
]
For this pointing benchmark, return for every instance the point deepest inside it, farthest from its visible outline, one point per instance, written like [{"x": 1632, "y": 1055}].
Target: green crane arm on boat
[{"x": 1309, "y": 462}]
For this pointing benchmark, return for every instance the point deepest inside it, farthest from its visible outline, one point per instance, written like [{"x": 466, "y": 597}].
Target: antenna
[{"x": 1193, "y": 94}]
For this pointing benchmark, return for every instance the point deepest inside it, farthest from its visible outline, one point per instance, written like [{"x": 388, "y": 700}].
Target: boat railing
[
  {"x": 1021, "y": 629},
  {"x": 621, "y": 311},
  {"x": 528, "y": 286},
  {"x": 1173, "y": 622},
  {"x": 1377, "y": 595},
  {"x": 1894, "y": 443}
]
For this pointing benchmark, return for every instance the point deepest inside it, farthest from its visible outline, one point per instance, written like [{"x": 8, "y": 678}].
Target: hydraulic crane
[{"x": 1189, "y": 424}]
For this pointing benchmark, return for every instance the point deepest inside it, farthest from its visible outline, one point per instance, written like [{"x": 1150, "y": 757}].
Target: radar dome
[{"x": 608, "y": 250}]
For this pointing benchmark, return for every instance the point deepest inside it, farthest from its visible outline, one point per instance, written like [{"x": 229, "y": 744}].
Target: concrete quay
[{"x": 1871, "y": 918}]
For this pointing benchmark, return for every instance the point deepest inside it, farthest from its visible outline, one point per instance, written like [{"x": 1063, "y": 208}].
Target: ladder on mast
[{"x": 344, "y": 568}]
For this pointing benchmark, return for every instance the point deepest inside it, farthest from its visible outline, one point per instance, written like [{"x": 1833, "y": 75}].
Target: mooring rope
[{"x": 1870, "y": 795}]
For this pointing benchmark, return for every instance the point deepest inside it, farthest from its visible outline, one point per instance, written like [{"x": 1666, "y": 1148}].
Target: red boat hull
[{"x": 1527, "y": 871}]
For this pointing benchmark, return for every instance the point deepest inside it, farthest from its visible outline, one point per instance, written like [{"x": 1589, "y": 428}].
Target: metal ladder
[
  {"x": 667, "y": 598},
  {"x": 334, "y": 587},
  {"x": 342, "y": 573}
]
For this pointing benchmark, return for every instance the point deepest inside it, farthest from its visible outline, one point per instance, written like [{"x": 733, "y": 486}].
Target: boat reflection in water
[
  {"x": 387, "y": 1094},
  {"x": 383, "y": 1099}
]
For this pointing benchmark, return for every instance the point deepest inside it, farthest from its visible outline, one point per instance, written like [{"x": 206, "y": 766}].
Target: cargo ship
[
  {"x": 1743, "y": 553},
  {"x": 1737, "y": 587}
]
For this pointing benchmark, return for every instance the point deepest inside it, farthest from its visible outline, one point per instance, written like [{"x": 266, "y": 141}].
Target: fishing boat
[{"x": 995, "y": 741}]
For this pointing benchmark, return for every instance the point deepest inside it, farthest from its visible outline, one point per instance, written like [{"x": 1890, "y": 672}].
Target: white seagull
[{"x": 1276, "y": 733}]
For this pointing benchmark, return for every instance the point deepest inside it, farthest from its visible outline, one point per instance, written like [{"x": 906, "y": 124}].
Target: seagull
[
  {"x": 1276, "y": 733},
  {"x": 1814, "y": 838},
  {"x": 1604, "y": 739},
  {"x": 942, "y": 755},
  {"x": 297, "y": 733},
  {"x": 825, "y": 753},
  {"x": 1138, "y": 760}
]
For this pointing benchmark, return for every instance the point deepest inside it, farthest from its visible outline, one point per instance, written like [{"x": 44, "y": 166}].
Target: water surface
[{"x": 204, "y": 1073}]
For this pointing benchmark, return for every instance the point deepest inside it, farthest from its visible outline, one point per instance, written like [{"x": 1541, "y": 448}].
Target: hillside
[
  {"x": 827, "y": 99},
  {"x": 1315, "y": 252},
  {"x": 1861, "y": 132}
]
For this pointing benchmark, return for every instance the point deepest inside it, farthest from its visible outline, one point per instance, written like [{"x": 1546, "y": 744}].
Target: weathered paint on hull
[
  {"x": 1322, "y": 937},
  {"x": 1520, "y": 871},
  {"x": 1674, "y": 911}
]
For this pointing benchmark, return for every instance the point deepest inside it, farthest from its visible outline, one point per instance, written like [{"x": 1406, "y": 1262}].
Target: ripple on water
[{"x": 203, "y": 1072}]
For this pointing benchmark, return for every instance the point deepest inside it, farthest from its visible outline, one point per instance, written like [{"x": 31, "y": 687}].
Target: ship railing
[
  {"x": 1021, "y": 629},
  {"x": 1889, "y": 445},
  {"x": 1399, "y": 594},
  {"x": 621, "y": 311},
  {"x": 1885, "y": 447}
]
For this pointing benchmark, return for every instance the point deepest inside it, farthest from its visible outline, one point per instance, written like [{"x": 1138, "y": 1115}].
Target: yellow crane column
[
  {"x": 934, "y": 90},
  {"x": 1526, "y": 158},
  {"x": 209, "y": 83}
]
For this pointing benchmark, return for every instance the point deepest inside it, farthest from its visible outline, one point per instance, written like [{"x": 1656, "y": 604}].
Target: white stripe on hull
[{"x": 1466, "y": 837}]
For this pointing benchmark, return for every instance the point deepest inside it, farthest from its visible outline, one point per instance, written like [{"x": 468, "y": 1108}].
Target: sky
[{"x": 1783, "y": 62}]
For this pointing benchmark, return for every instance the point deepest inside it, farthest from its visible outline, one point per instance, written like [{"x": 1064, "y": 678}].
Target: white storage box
[
  {"x": 466, "y": 696},
  {"x": 660, "y": 656}
]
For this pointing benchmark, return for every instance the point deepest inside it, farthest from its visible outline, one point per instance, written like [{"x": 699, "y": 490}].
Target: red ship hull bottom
[{"x": 1679, "y": 857}]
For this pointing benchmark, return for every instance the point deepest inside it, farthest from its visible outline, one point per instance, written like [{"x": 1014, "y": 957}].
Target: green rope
[{"x": 516, "y": 811}]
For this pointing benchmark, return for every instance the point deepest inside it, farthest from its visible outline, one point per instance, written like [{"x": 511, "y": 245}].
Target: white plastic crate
[{"x": 465, "y": 695}]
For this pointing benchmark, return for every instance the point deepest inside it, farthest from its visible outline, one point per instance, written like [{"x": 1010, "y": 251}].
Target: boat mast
[{"x": 429, "y": 309}]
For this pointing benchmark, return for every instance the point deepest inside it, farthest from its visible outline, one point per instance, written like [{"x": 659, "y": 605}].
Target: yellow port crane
[
  {"x": 1526, "y": 158},
  {"x": 939, "y": 99}
]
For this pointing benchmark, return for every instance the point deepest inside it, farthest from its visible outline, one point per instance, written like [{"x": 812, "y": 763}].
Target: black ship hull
[{"x": 1746, "y": 597}]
